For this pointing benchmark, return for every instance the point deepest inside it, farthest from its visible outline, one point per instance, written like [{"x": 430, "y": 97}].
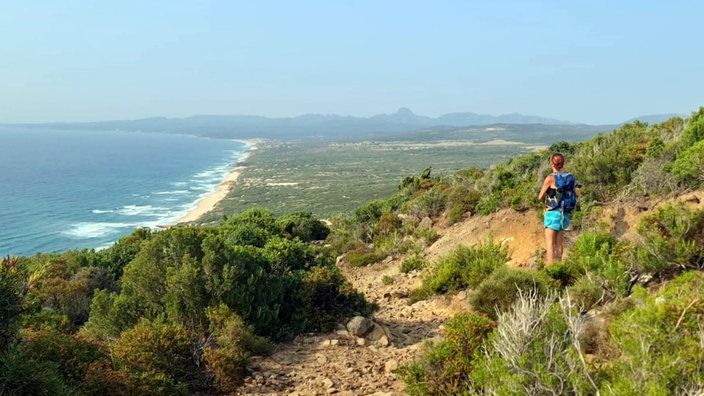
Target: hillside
[
  {"x": 440, "y": 288},
  {"x": 341, "y": 364}
]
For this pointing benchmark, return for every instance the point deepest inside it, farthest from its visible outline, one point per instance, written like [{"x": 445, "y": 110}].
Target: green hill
[{"x": 184, "y": 310}]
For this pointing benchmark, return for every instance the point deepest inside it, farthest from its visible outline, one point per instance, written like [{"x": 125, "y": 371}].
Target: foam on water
[
  {"x": 78, "y": 189},
  {"x": 87, "y": 230}
]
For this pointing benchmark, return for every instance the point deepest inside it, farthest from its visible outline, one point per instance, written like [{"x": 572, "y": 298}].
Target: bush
[
  {"x": 500, "y": 290},
  {"x": 71, "y": 355},
  {"x": 534, "y": 350},
  {"x": 12, "y": 291},
  {"x": 226, "y": 360},
  {"x": 446, "y": 367},
  {"x": 586, "y": 293},
  {"x": 413, "y": 263},
  {"x": 363, "y": 257},
  {"x": 488, "y": 204},
  {"x": 389, "y": 223},
  {"x": 689, "y": 165},
  {"x": 464, "y": 267},
  {"x": 153, "y": 348},
  {"x": 460, "y": 200},
  {"x": 673, "y": 239},
  {"x": 303, "y": 226},
  {"x": 659, "y": 342},
  {"x": 326, "y": 297},
  {"x": 22, "y": 376},
  {"x": 427, "y": 234},
  {"x": 429, "y": 204}
]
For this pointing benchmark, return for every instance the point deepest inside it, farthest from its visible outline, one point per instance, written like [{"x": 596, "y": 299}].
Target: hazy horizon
[{"x": 597, "y": 63}]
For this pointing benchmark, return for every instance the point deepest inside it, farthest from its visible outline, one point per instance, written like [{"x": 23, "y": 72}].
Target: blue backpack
[{"x": 565, "y": 199}]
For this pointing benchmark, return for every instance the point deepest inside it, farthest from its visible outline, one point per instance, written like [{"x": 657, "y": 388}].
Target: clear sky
[{"x": 594, "y": 61}]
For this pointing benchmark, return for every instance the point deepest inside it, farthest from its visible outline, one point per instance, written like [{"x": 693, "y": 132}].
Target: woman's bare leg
[
  {"x": 550, "y": 237},
  {"x": 557, "y": 247}
]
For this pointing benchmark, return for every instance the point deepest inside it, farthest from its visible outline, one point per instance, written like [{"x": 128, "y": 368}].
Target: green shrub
[
  {"x": 370, "y": 212},
  {"x": 413, "y": 263},
  {"x": 468, "y": 175},
  {"x": 389, "y": 223},
  {"x": 247, "y": 234},
  {"x": 659, "y": 342},
  {"x": 428, "y": 204},
  {"x": 694, "y": 131},
  {"x": 589, "y": 251},
  {"x": 488, "y": 204},
  {"x": 325, "y": 297},
  {"x": 563, "y": 273},
  {"x": 427, "y": 234},
  {"x": 504, "y": 286},
  {"x": 304, "y": 226},
  {"x": 22, "y": 376},
  {"x": 464, "y": 267},
  {"x": 361, "y": 258},
  {"x": 606, "y": 163},
  {"x": 461, "y": 199},
  {"x": 226, "y": 360},
  {"x": 673, "y": 239},
  {"x": 387, "y": 280},
  {"x": 689, "y": 165},
  {"x": 13, "y": 288},
  {"x": 156, "y": 348},
  {"x": 445, "y": 368},
  {"x": 586, "y": 293},
  {"x": 70, "y": 354}
]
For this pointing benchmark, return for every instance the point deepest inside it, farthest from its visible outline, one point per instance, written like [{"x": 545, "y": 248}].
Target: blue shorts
[{"x": 557, "y": 221}]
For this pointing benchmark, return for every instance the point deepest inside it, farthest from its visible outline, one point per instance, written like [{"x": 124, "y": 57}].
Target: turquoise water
[{"x": 63, "y": 190}]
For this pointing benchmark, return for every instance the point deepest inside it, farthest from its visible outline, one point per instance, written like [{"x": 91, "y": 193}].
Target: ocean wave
[
  {"x": 87, "y": 230},
  {"x": 99, "y": 211},
  {"x": 144, "y": 210},
  {"x": 175, "y": 192},
  {"x": 208, "y": 174}
]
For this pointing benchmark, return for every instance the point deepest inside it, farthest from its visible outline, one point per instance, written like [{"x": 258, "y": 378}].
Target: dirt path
[{"x": 341, "y": 364}]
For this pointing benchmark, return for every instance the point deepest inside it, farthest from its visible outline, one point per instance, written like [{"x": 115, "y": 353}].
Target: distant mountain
[
  {"x": 310, "y": 125},
  {"x": 656, "y": 118}
]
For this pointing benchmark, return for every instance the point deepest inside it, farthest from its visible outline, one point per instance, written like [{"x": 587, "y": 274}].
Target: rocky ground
[{"x": 340, "y": 363}]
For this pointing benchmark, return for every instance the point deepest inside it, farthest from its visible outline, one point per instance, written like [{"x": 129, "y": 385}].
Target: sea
[{"x": 77, "y": 189}]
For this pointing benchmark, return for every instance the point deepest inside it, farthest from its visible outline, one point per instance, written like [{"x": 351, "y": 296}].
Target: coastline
[{"x": 209, "y": 201}]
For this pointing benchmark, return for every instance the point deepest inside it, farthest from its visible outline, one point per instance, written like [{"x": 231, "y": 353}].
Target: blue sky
[{"x": 593, "y": 61}]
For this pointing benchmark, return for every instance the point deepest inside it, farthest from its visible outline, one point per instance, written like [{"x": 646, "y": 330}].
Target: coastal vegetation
[
  {"x": 183, "y": 310},
  {"x": 327, "y": 177}
]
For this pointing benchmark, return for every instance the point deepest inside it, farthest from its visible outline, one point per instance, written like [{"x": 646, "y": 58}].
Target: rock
[
  {"x": 359, "y": 326},
  {"x": 327, "y": 383},
  {"x": 401, "y": 293},
  {"x": 390, "y": 366},
  {"x": 376, "y": 333},
  {"x": 321, "y": 359}
]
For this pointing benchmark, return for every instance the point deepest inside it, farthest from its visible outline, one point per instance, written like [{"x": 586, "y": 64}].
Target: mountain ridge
[{"x": 314, "y": 125}]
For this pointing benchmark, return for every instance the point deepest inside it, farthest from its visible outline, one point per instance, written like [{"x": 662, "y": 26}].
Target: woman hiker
[{"x": 555, "y": 221}]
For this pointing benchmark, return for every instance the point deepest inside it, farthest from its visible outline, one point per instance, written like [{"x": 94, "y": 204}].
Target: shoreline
[{"x": 209, "y": 201}]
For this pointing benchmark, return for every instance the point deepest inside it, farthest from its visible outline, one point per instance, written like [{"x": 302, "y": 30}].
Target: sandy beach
[{"x": 208, "y": 202}]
